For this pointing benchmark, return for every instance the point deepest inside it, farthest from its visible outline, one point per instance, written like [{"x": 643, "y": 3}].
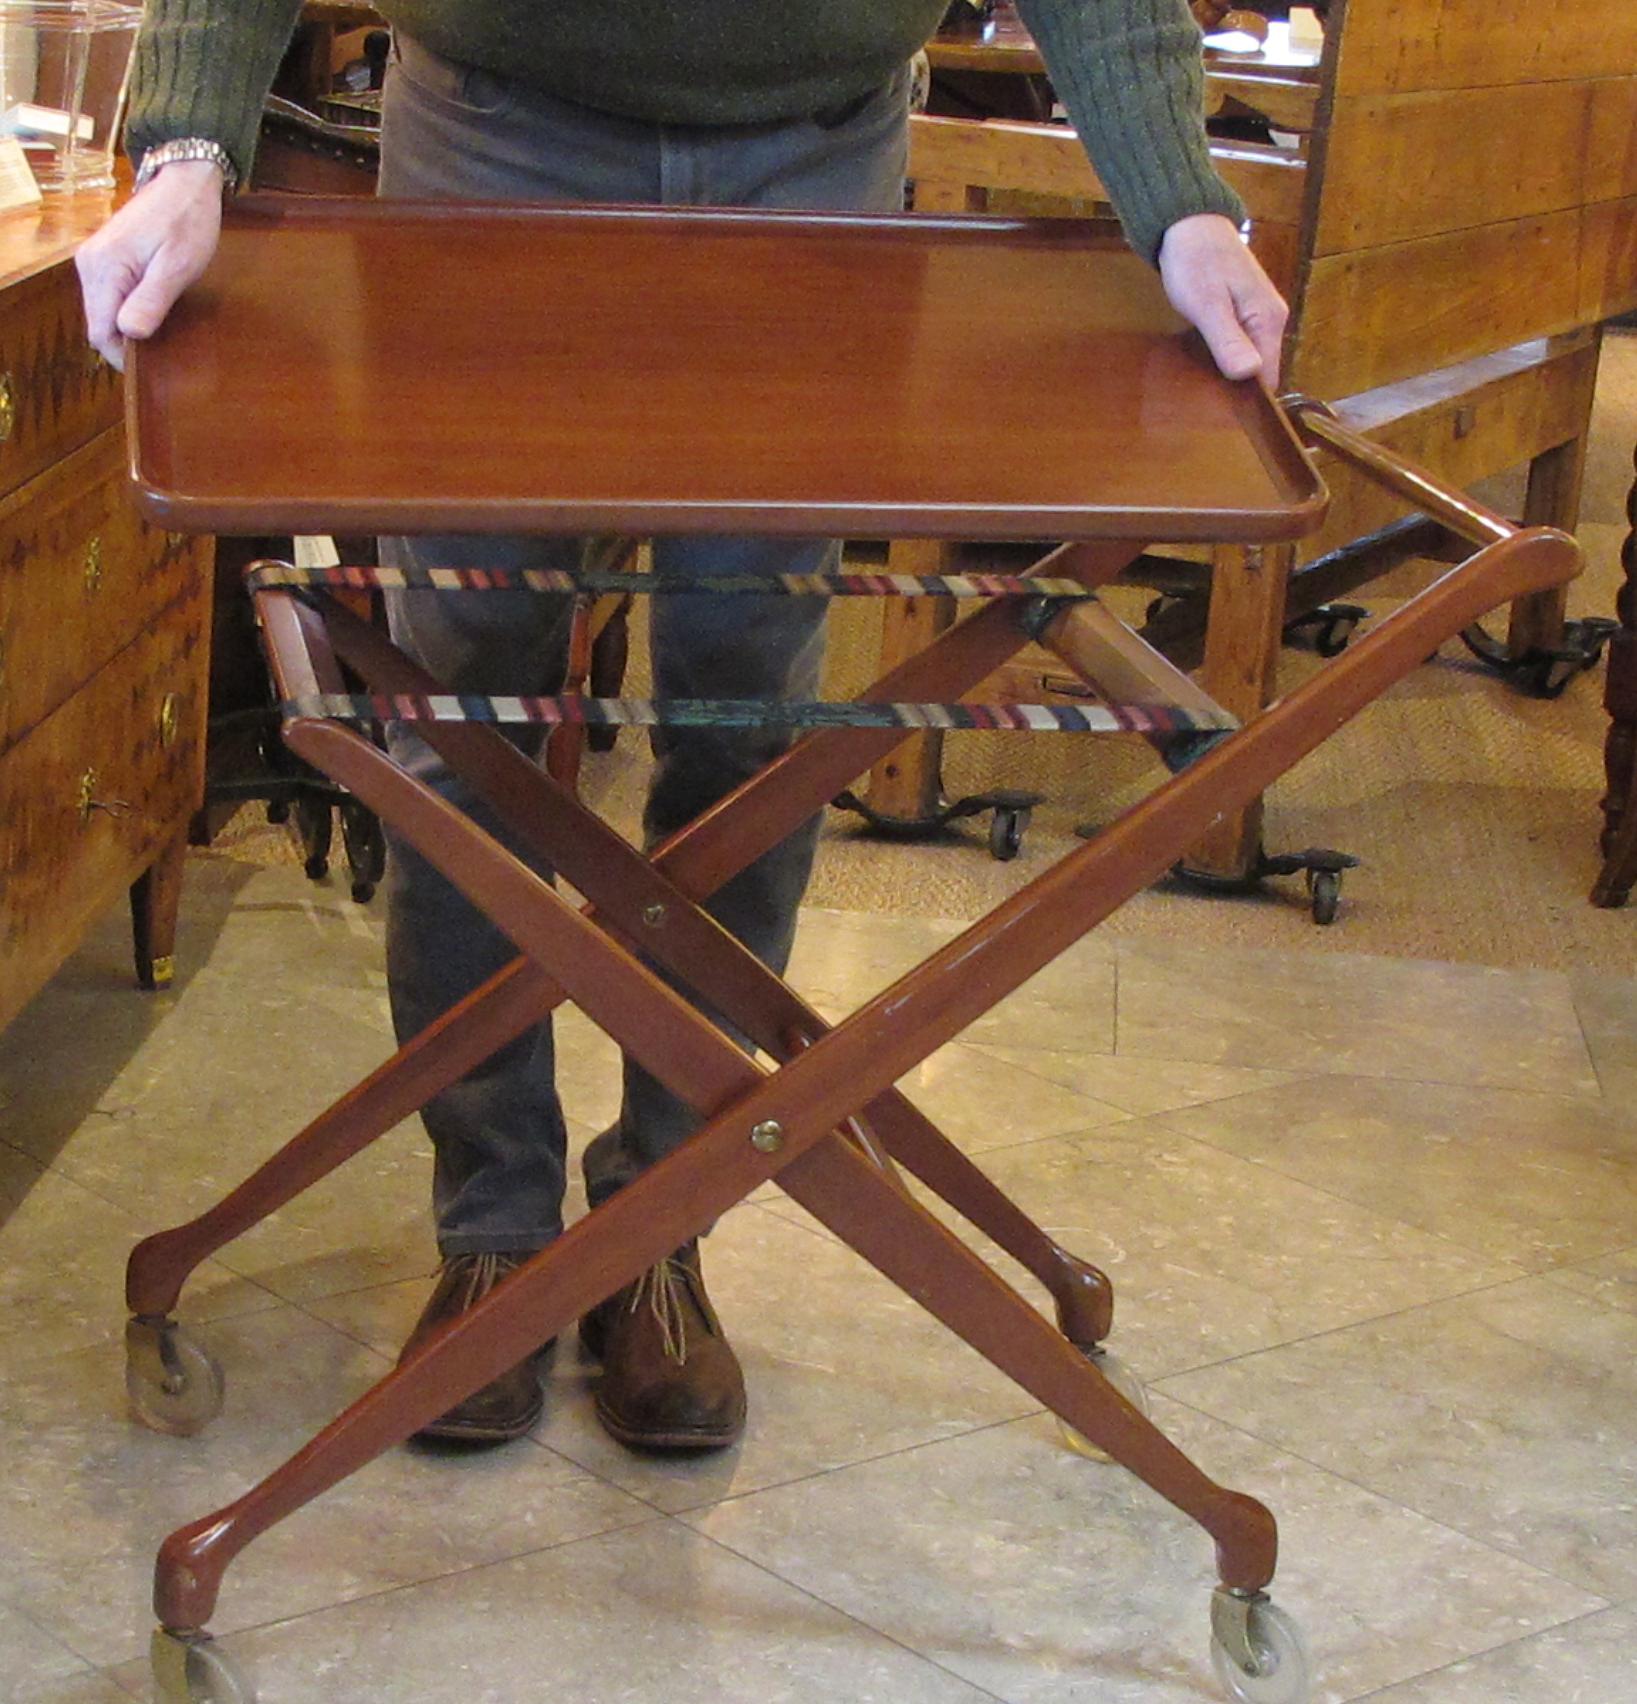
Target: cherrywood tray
[{"x": 416, "y": 367}]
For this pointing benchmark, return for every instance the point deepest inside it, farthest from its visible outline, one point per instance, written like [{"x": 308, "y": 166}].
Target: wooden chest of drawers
[{"x": 103, "y": 637}]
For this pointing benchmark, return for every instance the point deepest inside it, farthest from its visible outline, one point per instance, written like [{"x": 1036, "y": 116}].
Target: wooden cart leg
[
  {"x": 759, "y": 1125},
  {"x": 156, "y": 899},
  {"x": 1242, "y": 639}
]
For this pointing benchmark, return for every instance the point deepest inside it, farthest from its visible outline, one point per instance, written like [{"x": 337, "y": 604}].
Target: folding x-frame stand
[{"x": 825, "y": 1122}]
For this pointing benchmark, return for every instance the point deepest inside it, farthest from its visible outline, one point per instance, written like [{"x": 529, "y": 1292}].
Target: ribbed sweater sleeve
[
  {"x": 1131, "y": 76},
  {"x": 203, "y": 68}
]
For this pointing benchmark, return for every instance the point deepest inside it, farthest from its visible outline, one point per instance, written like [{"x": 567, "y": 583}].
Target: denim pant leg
[
  {"x": 743, "y": 646},
  {"x": 454, "y": 132},
  {"x": 498, "y": 1133}
]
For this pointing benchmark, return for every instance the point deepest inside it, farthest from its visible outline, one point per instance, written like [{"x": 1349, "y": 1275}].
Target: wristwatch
[{"x": 188, "y": 148}]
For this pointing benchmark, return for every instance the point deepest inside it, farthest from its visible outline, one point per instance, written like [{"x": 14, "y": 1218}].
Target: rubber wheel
[
  {"x": 1006, "y": 834},
  {"x": 196, "y": 1671},
  {"x": 315, "y": 826},
  {"x": 1324, "y": 886},
  {"x": 1126, "y": 1383},
  {"x": 1333, "y": 638},
  {"x": 365, "y": 846},
  {"x": 1284, "y": 1671},
  {"x": 190, "y": 1394}
]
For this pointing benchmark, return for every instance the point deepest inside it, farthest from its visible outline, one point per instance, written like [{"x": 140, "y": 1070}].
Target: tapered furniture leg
[{"x": 156, "y": 900}]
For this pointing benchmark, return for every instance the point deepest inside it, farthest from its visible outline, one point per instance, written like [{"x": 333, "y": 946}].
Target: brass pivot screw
[
  {"x": 767, "y": 1137},
  {"x": 653, "y": 915}
]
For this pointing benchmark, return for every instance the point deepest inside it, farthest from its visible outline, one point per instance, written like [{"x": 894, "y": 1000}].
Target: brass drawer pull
[
  {"x": 170, "y": 719},
  {"x": 93, "y": 564},
  {"x": 89, "y": 802},
  {"x": 8, "y": 407}
]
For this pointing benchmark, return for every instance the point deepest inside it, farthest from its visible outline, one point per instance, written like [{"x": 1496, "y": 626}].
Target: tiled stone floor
[{"x": 1373, "y": 1225}]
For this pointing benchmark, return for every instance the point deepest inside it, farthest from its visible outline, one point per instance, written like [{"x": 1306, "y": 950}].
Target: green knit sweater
[{"x": 1127, "y": 70}]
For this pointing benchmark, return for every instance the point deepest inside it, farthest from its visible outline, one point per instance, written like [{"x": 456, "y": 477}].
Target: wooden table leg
[
  {"x": 156, "y": 898},
  {"x": 1551, "y": 500},
  {"x": 1619, "y": 840},
  {"x": 1242, "y": 640},
  {"x": 907, "y": 785}
]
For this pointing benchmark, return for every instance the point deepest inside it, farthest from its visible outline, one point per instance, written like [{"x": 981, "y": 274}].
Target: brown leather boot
[
  {"x": 670, "y": 1378},
  {"x": 509, "y": 1406}
]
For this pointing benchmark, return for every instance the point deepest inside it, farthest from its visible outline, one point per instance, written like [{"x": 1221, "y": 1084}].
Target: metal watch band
[{"x": 188, "y": 148}]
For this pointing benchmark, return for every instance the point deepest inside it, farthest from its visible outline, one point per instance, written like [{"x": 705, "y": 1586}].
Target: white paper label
[
  {"x": 1305, "y": 29},
  {"x": 27, "y": 119},
  {"x": 17, "y": 185},
  {"x": 316, "y": 551}
]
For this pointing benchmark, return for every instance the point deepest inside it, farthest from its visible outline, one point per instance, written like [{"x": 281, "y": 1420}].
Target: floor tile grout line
[
  {"x": 1604, "y": 1600},
  {"x": 652, "y": 1518},
  {"x": 1332, "y": 1194},
  {"x": 1310, "y": 1072},
  {"x": 847, "y": 1615},
  {"x": 1352, "y": 1325},
  {"x": 1586, "y": 1042},
  {"x": 862, "y": 1461},
  {"x": 1489, "y": 1651}
]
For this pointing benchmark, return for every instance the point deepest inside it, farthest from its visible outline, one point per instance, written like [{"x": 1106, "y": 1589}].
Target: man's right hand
[{"x": 135, "y": 267}]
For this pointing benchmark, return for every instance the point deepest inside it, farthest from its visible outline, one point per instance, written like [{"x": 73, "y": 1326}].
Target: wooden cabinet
[{"x": 103, "y": 647}]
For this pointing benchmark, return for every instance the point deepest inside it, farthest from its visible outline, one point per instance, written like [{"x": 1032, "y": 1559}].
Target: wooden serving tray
[{"x": 416, "y": 367}]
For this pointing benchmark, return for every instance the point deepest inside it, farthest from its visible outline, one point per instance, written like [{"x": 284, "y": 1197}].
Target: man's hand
[
  {"x": 1218, "y": 285},
  {"x": 134, "y": 268}
]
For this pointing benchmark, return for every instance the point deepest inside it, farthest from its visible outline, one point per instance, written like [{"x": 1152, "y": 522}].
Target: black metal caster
[
  {"x": 1011, "y": 818},
  {"x": 1327, "y": 628},
  {"x": 1321, "y": 866},
  {"x": 365, "y": 846},
  {"x": 1545, "y": 671},
  {"x": 1006, "y": 833},
  {"x": 314, "y": 828}
]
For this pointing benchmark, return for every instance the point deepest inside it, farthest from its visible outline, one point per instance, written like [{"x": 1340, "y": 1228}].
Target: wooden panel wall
[
  {"x": 1476, "y": 181},
  {"x": 1395, "y": 45}
]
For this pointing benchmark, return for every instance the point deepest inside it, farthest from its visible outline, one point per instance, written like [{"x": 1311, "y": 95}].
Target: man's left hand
[{"x": 1219, "y": 286}]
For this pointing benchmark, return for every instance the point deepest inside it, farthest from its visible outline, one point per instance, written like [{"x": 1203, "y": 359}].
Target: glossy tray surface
[{"x": 370, "y": 366}]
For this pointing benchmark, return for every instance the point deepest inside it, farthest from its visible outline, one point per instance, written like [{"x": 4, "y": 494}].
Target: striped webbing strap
[
  {"x": 574, "y": 710},
  {"x": 600, "y": 582}
]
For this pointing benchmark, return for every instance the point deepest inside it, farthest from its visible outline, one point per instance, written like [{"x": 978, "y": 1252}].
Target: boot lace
[
  {"x": 482, "y": 1272},
  {"x": 666, "y": 1288}
]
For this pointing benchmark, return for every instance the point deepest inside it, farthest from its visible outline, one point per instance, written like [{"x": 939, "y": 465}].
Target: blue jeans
[{"x": 455, "y": 132}]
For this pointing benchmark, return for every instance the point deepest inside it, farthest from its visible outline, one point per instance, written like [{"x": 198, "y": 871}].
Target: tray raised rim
[{"x": 1264, "y": 421}]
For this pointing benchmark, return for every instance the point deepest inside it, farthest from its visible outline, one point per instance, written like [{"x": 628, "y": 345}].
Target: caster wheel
[
  {"x": 1551, "y": 678},
  {"x": 174, "y": 1383},
  {"x": 314, "y": 826},
  {"x": 1126, "y": 1383},
  {"x": 196, "y": 1671},
  {"x": 1282, "y": 1671},
  {"x": 365, "y": 846},
  {"x": 1006, "y": 834},
  {"x": 1324, "y": 889},
  {"x": 1333, "y": 637}
]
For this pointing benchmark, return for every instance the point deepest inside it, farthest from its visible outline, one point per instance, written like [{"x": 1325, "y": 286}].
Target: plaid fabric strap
[
  {"x": 598, "y": 582},
  {"x": 571, "y": 708}
]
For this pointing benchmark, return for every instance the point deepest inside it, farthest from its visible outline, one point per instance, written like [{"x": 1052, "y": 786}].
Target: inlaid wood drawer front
[
  {"x": 80, "y": 574},
  {"x": 90, "y": 796},
  {"x": 55, "y": 393}
]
